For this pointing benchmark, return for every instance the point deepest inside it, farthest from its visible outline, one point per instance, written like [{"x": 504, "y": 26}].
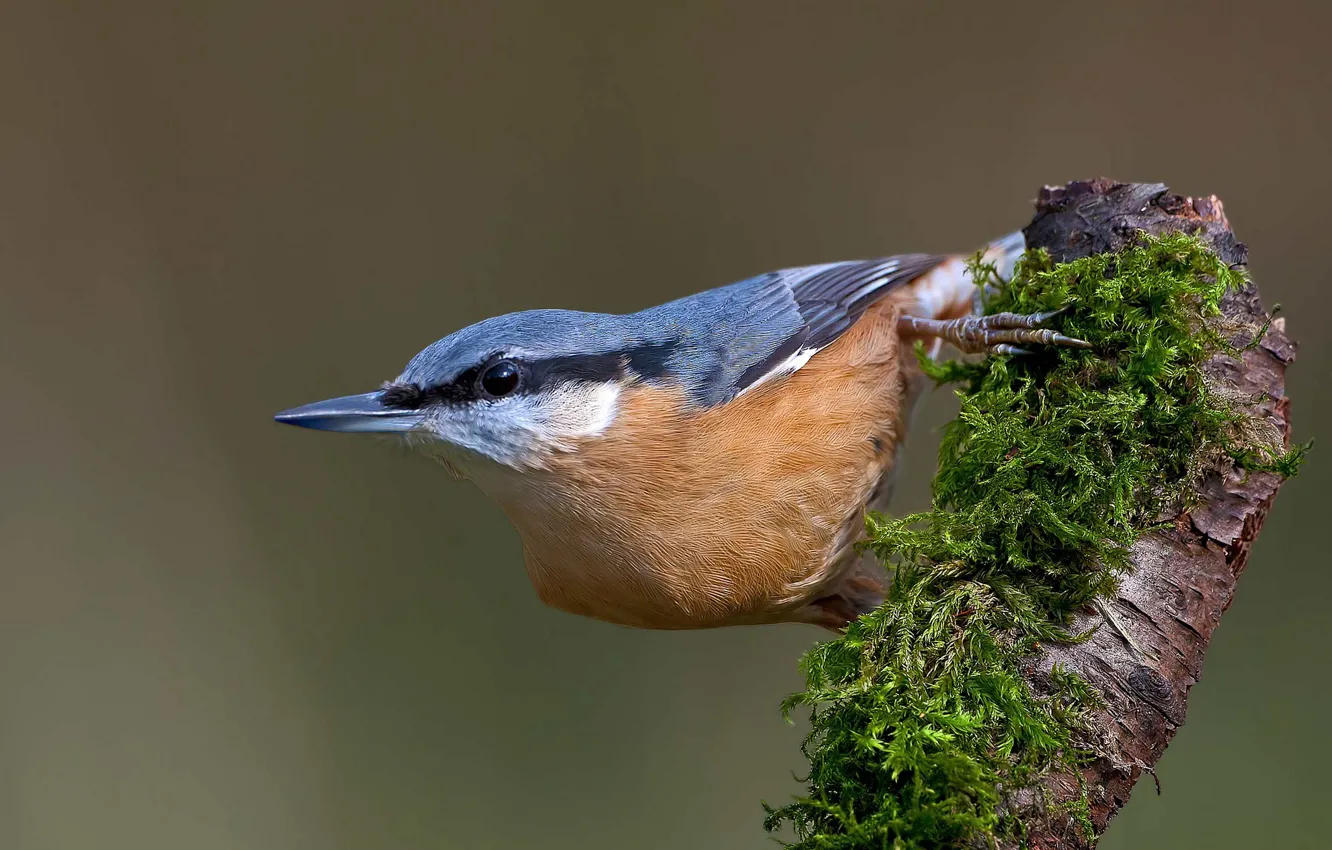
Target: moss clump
[{"x": 1056, "y": 462}]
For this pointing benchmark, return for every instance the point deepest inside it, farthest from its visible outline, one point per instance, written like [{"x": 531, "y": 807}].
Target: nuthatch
[{"x": 706, "y": 462}]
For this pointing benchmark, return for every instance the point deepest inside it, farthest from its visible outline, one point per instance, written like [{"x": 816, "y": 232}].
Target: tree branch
[{"x": 1148, "y": 648}]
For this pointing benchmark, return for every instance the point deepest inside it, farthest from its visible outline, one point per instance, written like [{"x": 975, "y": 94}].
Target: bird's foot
[{"x": 1001, "y": 333}]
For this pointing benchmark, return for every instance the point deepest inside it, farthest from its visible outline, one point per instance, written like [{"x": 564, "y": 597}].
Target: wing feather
[{"x": 829, "y": 299}]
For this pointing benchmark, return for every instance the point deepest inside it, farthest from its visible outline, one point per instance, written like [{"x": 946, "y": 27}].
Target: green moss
[{"x": 920, "y": 715}]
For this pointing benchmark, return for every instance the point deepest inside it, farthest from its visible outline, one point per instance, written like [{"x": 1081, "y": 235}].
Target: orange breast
[{"x": 737, "y": 514}]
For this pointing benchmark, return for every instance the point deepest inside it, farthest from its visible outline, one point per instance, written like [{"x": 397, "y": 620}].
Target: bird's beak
[{"x": 352, "y": 413}]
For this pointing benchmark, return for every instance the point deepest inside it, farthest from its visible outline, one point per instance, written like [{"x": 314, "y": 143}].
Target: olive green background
[{"x": 217, "y": 632}]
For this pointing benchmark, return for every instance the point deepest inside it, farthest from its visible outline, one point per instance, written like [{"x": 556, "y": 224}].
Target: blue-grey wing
[
  {"x": 726, "y": 340},
  {"x": 832, "y": 298},
  {"x": 787, "y": 316}
]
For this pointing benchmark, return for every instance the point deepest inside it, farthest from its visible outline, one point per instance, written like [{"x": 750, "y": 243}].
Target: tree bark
[{"x": 1148, "y": 648}]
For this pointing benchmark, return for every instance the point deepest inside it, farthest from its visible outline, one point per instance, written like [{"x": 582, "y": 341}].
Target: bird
[{"x": 706, "y": 462}]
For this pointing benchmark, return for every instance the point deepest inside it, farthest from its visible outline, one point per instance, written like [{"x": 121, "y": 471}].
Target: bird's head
[{"x": 511, "y": 390}]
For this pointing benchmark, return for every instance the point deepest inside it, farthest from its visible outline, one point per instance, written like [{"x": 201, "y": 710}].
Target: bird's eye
[{"x": 500, "y": 379}]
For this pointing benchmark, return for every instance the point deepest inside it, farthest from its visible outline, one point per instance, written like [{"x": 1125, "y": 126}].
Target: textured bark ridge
[{"x": 1149, "y": 644}]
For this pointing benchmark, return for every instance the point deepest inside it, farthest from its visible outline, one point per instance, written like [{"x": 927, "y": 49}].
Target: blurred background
[{"x": 217, "y": 632}]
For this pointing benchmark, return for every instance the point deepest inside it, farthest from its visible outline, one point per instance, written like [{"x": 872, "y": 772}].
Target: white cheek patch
[
  {"x": 524, "y": 430},
  {"x": 576, "y": 411}
]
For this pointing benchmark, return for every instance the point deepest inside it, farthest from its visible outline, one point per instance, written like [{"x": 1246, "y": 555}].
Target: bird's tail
[
  {"x": 1005, "y": 252},
  {"x": 948, "y": 291}
]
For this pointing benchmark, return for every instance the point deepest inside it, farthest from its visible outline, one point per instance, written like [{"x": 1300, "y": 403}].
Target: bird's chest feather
[{"x": 734, "y": 514}]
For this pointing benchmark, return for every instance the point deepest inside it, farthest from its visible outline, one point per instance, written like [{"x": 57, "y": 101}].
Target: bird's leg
[
  {"x": 859, "y": 591},
  {"x": 1001, "y": 333}
]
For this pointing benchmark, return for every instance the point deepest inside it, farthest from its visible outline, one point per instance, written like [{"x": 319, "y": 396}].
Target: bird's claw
[
  {"x": 1005, "y": 333},
  {"x": 1000, "y": 333},
  {"x": 1042, "y": 318}
]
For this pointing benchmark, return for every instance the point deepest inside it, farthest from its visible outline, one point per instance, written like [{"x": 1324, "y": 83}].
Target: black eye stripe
[
  {"x": 647, "y": 361},
  {"x": 591, "y": 368},
  {"x": 402, "y": 396},
  {"x": 650, "y": 361},
  {"x": 413, "y": 396}
]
